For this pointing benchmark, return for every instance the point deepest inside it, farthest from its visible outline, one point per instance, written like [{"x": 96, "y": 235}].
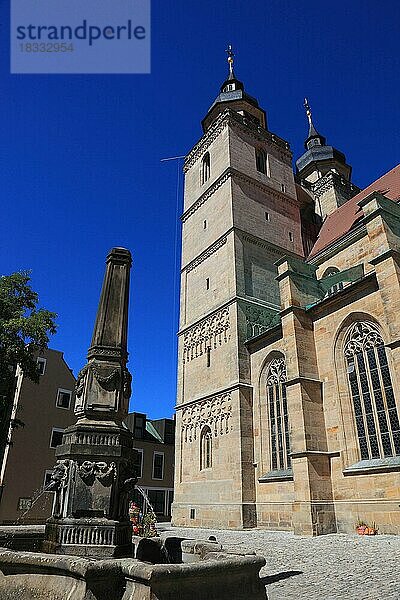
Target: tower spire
[
  {"x": 232, "y": 95},
  {"x": 313, "y": 138},
  {"x": 308, "y": 111},
  {"x": 324, "y": 169},
  {"x": 231, "y": 56}
]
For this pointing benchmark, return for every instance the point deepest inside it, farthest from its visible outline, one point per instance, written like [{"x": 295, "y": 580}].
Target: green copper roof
[{"x": 153, "y": 431}]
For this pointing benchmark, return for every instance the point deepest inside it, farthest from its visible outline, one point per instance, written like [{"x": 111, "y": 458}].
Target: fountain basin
[
  {"x": 217, "y": 576},
  {"x": 22, "y": 537}
]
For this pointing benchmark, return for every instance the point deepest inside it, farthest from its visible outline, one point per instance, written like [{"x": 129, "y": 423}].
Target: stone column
[
  {"x": 313, "y": 508},
  {"x": 94, "y": 474}
]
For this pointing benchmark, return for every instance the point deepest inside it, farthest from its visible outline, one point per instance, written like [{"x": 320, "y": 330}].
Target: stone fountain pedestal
[
  {"x": 91, "y": 519},
  {"x": 94, "y": 473},
  {"x": 90, "y": 514}
]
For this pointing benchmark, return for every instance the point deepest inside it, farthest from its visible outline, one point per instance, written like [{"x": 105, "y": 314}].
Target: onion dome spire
[{"x": 313, "y": 138}]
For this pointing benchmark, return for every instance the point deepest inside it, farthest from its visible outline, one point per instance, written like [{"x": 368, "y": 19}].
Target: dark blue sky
[{"x": 80, "y": 166}]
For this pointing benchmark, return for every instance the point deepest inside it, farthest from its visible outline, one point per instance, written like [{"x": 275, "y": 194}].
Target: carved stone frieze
[
  {"x": 215, "y": 412},
  {"x": 108, "y": 377},
  {"x": 106, "y": 352},
  {"x": 204, "y": 197},
  {"x": 205, "y": 142},
  {"x": 92, "y": 438},
  {"x": 87, "y": 536},
  {"x": 262, "y": 244},
  {"x": 258, "y": 319},
  {"x": 280, "y": 146},
  {"x": 209, "y": 333},
  {"x": 104, "y": 472},
  {"x": 234, "y": 173},
  {"x": 231, "y": 117},
  {"x": 330, "y": 180},
  {"x": 202, "y": 257}
]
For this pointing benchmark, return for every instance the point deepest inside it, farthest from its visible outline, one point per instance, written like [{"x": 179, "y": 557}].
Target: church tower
[
  {"x": 241, "y": 215},
  {"x": 323, "y": 170}
]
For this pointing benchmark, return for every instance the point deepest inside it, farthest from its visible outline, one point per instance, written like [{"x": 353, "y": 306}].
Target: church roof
[{"x": 346, "y": 216}]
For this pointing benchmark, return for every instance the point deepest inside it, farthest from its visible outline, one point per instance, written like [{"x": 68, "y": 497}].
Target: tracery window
[
  {"x": 206, "y": 448},
  {"x": 376, "y": 416},
  {"x": 205, "y": 168},
  {"x": 278, "y": 415}
]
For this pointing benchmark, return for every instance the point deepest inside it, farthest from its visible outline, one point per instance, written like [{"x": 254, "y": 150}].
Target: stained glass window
[
  {"x": 278, "y": 415},
  {"x": 376, "y": 416}
]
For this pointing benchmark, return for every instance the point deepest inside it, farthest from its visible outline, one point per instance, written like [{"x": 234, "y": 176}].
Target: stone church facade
[{"x": 289, "y": 341}]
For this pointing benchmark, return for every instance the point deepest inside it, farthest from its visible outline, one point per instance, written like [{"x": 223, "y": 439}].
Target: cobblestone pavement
[{"x": 329, "y": 567}]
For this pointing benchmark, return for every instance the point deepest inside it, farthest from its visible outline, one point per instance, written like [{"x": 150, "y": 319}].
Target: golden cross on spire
[
  {"x": 308, "y": 110},
  {"x": 231, "y": 55}
]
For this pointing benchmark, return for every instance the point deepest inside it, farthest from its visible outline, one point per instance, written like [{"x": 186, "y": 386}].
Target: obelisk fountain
[{"x": 94, "y": 473}]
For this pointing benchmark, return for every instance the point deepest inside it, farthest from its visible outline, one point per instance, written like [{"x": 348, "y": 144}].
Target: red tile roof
[{"x": 346, "y": 216}]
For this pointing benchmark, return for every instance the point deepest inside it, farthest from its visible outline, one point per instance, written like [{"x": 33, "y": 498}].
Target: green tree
[{"x": 24, "y": 331}]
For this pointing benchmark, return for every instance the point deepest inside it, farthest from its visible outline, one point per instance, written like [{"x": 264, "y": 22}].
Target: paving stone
[{"x": 328, "y": 567}]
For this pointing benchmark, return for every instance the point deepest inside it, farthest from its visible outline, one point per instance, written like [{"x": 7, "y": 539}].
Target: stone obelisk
[{"x": 94, "y": 473}]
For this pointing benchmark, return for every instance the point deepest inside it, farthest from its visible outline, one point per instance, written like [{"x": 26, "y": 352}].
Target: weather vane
[
  {"x": 308, "y": 110},
  {"x": 231, "y": 55}
]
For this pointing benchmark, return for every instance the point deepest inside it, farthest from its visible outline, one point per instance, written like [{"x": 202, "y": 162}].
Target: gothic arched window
[
  {"x": 206, "y": 448},
  {"x": 375, "y": 411},
  {"x": 205, "y": 168},
  {"x": 262, "y": 162},
  {"x": 278, "y": 414}
]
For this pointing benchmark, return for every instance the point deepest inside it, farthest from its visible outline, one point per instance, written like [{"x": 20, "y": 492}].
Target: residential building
[
  {"x": 154, "y": 440},
  {"x": 45, "y": 409}
]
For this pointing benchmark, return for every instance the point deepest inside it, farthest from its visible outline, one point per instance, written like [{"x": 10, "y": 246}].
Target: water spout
[
  {"x": 143, "y": 521},
  {"x": 147, "y": 504},
  {"x": 35, "y": 498}
]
